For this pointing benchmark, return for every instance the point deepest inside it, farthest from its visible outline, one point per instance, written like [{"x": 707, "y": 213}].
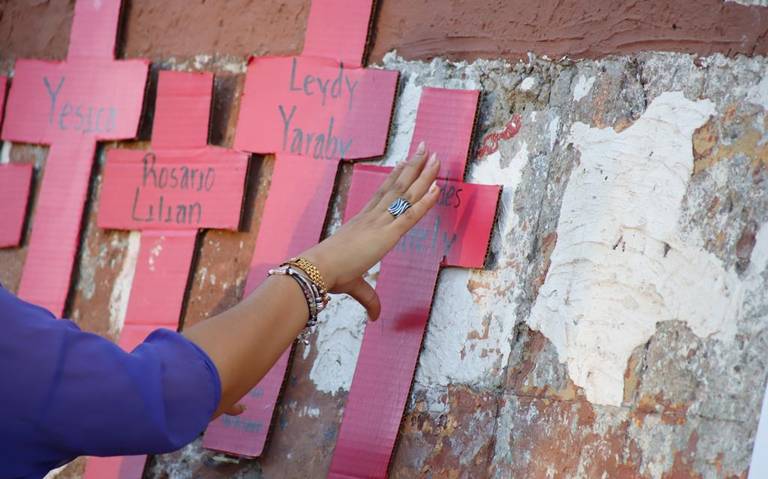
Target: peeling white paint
[
  {"x": 583, "y": 87},
  {"x": 553, "y": 128},
  {"x": 121, "y": 290},
  {"x": 527, "y": 83},
  {"x": 5, "y": 152},
  {"x": 758, "y": 3},
  {"x": 490, "y": 170},
  {"x": 339, "y": 335},
  {"x": 620, "y": 265},
  {"x": 466, "y": 341},
  {"x": 758, "y": 261},
  {"x": 758, "y": 94}
]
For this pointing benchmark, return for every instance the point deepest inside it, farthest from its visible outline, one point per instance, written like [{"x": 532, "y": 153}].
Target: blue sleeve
[{"x": 67, "y": 393}]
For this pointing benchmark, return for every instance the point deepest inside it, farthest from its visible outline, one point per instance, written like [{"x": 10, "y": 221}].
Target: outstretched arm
[{"x": 246, "y": 340}]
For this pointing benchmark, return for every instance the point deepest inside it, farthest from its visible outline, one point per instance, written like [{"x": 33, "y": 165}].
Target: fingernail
[
  {"x": 421, "y": 148},
  {"x": 434, "y": 188},
  {"x": 432, "y": 159}
]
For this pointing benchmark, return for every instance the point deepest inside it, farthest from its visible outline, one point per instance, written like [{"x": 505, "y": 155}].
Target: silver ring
[{"x": 398, "y": 207}]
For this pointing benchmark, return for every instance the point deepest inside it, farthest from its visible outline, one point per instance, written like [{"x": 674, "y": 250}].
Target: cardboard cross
[
  {"x": 455, "y": 233},
  {"x": 15, "y": 183},
  {"x": 169, "y": 192},
  {"x": 312, "y": 111},
  {"x": 71, "y": 106}
]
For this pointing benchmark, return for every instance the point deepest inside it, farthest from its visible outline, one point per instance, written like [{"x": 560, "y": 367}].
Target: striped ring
[{"x": 398, "y": 207}]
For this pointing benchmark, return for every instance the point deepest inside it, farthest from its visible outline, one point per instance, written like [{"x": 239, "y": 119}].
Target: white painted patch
[
  {"x": 5, "y": 152},
  {"x": 527, "y": 83},
  {"x": 553, "y": 128},
  {"x": 466, "y": 340},
  {"x": 759, "y": 93},
  {"x": 758, "y": 3},
  {"x": 490, "y": 170},
  {"x": 758, "y": 260},
  {"x": 582, "y": 87},
  {"x": 339, "y": 335},
  {"x": 121, "y": 290},
  {"x": 620, "y": 265}
]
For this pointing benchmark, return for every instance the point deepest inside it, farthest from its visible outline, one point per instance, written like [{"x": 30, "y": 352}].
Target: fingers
[
  {"x": 408, "y": 220},
  {"x": 386, "y": 186},
  {"x": 407, "y": 176},
  {"x": 364, "y": 294},
  {"x": 235, "y": 410},
  {"x": 389, "y": 183},
  {"x": 421, "y": 185}
]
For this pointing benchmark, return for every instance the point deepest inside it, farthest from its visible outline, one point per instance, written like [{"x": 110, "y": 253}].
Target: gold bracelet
[{"x": 310, "y": 269}]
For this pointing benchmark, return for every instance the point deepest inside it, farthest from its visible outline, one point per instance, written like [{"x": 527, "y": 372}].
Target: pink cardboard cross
[
  {"x": 312, "y": 111},
  {"x": 455, "y": 233},
  {"x": 71, "y": 106},
  {"x": 15, "y": 182},
  {"x": 169, "y": 193}
]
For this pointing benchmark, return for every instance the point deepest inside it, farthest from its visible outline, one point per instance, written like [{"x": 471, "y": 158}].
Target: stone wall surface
[{"x": 620, "y": 329}]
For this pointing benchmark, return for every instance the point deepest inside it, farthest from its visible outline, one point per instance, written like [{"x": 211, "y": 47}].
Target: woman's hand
[
  {"x": 358, "y": 245},
  {"x": 246, "y": 340}
]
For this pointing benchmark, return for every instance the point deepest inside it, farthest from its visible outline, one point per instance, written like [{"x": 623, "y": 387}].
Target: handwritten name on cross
[
  {"x": 71, "y": 106},
  {"x": 455, "y": 233},
  {"x": 170, "y": 192},
  {"x": 15, "y": 183},
  {"x": 312, "y": 111}
]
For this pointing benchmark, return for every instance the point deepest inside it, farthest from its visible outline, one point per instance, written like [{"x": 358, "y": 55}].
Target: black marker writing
[
  {"x": 318, "y": 145},
  {"x": 53, "y": 94},
  {"x": 450, "y": 196},
  {"x": 78, "y": 117},
  {"x": 312, "y": 84},
  {"x": 162, "y": 212},
  {"x": 173, "y": 177},
  {"x": 421, "y": 240}
]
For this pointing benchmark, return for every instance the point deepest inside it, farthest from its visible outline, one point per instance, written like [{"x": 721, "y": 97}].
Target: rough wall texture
[
  {"x": 621, "y": 327},
  {"x": 445, "y": 28}
]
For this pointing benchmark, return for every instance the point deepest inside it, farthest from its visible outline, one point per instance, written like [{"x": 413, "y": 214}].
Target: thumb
[{"x": 364, "y": 294}]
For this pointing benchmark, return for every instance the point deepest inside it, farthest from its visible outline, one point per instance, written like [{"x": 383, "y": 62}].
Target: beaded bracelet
[{"x": 317, "y": 298}]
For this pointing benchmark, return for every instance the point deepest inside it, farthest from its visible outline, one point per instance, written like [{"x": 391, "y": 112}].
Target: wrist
[{"x": 315, "y": 256}]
